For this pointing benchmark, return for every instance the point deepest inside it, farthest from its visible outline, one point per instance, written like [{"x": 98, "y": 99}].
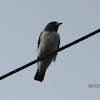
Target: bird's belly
[
  {"x": 49, "y": 46},
  {"x": 43, "y": 65}
]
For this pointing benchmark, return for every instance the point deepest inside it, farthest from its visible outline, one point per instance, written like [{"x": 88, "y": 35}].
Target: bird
[{"x": 49, "y": 41}]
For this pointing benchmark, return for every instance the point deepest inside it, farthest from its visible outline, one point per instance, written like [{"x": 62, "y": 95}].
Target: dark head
[{"x": 52, "y": 26}]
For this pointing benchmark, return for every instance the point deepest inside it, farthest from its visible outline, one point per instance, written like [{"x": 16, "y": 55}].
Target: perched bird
[{"x": 48, "y": 42}]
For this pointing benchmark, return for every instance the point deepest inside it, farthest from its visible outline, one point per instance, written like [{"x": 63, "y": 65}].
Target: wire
[{"x": 46, "y": 56}]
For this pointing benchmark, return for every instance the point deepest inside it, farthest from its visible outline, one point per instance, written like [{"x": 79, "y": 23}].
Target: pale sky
[{"x": 22, "y": 21}]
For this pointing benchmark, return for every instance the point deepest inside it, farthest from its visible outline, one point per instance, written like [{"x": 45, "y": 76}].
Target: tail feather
[{"x": 39, "y": 77}]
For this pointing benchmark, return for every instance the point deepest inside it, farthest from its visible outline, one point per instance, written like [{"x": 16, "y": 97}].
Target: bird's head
[{"x": 52, "y": 26}]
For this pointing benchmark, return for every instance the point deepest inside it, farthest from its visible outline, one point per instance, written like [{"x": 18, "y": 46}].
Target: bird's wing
[
  {"x": 58, "y": 43},
  {"x": 39, "y": 40},
  {"x": 54, "y": 59}
]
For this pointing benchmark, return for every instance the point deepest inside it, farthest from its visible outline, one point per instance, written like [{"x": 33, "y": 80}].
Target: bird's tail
[{"x": 39, "y": 77}]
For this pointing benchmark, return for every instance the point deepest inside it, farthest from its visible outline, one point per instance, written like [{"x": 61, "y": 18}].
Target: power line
[{"x": 46, "y": 56}]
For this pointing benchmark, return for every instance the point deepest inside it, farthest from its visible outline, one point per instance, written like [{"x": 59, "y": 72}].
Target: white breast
[{"x": 48, "y": 42}]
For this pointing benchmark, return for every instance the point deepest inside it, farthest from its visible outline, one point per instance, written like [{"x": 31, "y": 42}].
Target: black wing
[
  {"x": 39, "y": 40},
  {"x": 58, "y": 43},
  {"x": 56, "y": 52}
]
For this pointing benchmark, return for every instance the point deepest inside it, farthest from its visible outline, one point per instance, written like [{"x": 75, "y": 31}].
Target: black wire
[{"x": 60, "y": 49}]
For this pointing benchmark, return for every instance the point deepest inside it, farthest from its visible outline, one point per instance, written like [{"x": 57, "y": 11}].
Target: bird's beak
[{"x": 58, "y": 24}]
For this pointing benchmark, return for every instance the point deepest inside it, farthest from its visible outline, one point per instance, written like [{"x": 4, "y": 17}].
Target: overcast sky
[{"x": 22, "y": 21}]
